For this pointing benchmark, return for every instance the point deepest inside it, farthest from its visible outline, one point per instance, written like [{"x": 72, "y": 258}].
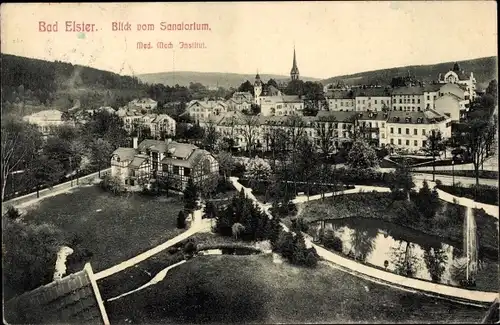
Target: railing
[{"x": 48, "y": 191}]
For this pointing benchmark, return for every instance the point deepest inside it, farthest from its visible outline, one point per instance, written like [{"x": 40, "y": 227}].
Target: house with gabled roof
[
  {"x": 137, "y": 167},
  {"x": 72, "y": 299}
]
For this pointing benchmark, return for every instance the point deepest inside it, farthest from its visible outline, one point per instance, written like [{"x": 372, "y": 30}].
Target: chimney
[{"x": 135, "y": 142}]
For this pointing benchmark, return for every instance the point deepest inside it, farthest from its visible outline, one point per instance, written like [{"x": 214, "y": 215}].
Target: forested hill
[
  {"x": 209, "y": 79},
  {"x": 484, "y": 69},
  {"x": 30, "y": 85}
]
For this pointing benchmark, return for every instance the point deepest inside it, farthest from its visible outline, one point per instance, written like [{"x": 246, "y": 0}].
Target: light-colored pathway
[
  {"x": 157, "y": 278},
  {"x": 379, "y": 276},
  {"x": 198, "y": 225}
]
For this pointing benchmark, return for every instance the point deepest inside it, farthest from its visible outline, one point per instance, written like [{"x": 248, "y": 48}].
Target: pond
[{"x": 406, "y": 252}]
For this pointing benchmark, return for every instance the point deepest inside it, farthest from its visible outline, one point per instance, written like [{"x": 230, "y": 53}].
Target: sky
[{"x": 330, "y": 38}]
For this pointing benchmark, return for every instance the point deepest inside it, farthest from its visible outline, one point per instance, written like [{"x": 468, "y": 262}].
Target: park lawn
[
  {"x": 141, "y": 273},
  {"x": 374, "y": 205},
  {"x": 252, "y": 289},
  {"x": 111, "y": 228}
]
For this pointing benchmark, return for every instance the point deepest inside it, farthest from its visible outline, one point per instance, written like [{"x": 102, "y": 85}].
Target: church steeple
[{"x": 294, "y": 73}]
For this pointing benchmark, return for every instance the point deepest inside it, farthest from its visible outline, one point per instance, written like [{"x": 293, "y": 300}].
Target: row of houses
[
  {"x": 149, "y": 160},
  {"x": 449, "y": 98},
  {"x": 450, "y": 94},
  {"x": 393, "y": 129}
]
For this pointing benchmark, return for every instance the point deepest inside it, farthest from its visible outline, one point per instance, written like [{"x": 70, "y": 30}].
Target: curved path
[
  {"x": 471, "y": 297},
  {"x": 198, "y": 225}
]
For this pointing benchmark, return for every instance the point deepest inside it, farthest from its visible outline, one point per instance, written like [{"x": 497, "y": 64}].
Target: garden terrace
[{"x": 208, "y": 290}]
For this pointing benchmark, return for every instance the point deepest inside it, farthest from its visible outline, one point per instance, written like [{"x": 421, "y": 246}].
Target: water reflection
[{"x": 397, "y": 249}]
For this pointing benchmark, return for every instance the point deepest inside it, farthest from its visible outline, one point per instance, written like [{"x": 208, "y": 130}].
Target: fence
[{"x": 55, "y": 189}]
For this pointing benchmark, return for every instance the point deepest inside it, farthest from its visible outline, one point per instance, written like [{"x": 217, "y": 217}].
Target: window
[
  {"x": 399, "y": 130},
  {"x": 413, "y": 101},
  {"x": 415, "y": 143},
  {"x": 375, "y": 101},
  {"x": 407, "y": 131},
  {"x": 341, "y": 104},
  {"x": 400, "y": 101},
  {"x": 399, "y": 141},
  {"x": 415, "y": 132},
  {"x": 176, "y": 170},
  {"x": 392, "y": 130},
  {"x": 423, "y": 131},
  {"x": 418, "y": 101},
  {"x": 132, "y": 182},
  {"x": 392, "y": 141},
  {"x": 407, "y": 142},
  {"x": 423, "y": 143},
  {"x": 428, "y": 97}
]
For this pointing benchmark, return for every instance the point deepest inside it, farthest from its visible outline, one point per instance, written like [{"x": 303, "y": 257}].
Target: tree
[
  {"x": 19, "y": 141},
  {"x": 433, "y": 146},
  {"x": 46, "y": 171},
  {"x": 209, "y": 185},
  {"x": 362, "y": 156},
  {"x": 190, "y": 196},
  {"x": 307, "y": 162},
  {"x": 435, "y": 260},
  {"x": 246, "y": 87},
  {"x": 211, "y": 136},
  {"x": 479, "y": 133},
  {"x": 258, "y": 169},
  {"x": 326, "y": 133},
  {"x": 272, "y": 82},
  {"x": 255, "y": 109},
  {"x": 492, "y": 89},
  {"x": 181, "y": 220},
  {"x": 401, "y": 181},
  {"x": 210, "y": 210},
  {"x": 226, "y": 163},
  {"x": 29, "y": 253},
  {"x": 250, "y": 132},
  {"x": 101, "y": 151},
  {"x": 427, "y": 202},
  {"x": 237, "y": 229}
]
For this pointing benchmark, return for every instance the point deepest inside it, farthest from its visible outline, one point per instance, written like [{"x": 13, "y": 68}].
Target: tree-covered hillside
[
  {"x": 484, "y": 69},
  {"x": 30, "y": 85}
]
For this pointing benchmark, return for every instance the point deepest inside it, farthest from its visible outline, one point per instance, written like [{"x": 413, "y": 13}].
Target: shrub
[
  {"x": 112, "y": 184},
  {"x": 189, "y": 249},
  {"x": 12, "y": 213},
  {"x": 181, "y": 220}
]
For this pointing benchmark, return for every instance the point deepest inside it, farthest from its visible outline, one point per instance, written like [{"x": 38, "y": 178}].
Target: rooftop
[
  {"x": 124, "y": 153},
  {"x": 68, "y": 300},
  {"x": 426, "y": 117}
]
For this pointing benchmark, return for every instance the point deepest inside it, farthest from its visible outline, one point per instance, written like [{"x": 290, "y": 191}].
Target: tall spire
[{"x": 294, "y": 73}]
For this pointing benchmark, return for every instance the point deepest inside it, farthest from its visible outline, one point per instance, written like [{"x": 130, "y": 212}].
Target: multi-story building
[
  {"x": 46, "y": 120},
  {"x": 396, "y": 129},
  {"x": 341, "y": 100},
  {"x": 143, "y": 103},
  {"x": 200, "y": 110},
  {"x": 281, "y": 105},
  {"x": 410, "y": 129},
  {"x": 372, "y": 126},
  {"x": 162, "y": 126},
  {"x": 372, "y": 99},
  {"x": 408, "y": 99},
  {"x": 176, "y": 162},
  {"x": 457, "y": 76}
]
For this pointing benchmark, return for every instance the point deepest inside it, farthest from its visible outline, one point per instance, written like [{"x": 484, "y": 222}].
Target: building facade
[
  {"x": 150, "y": 160},
  {"x": 46, "y": 120}
]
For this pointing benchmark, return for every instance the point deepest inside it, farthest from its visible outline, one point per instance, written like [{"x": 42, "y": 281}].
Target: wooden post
[{"x": 97, "y": 294}]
